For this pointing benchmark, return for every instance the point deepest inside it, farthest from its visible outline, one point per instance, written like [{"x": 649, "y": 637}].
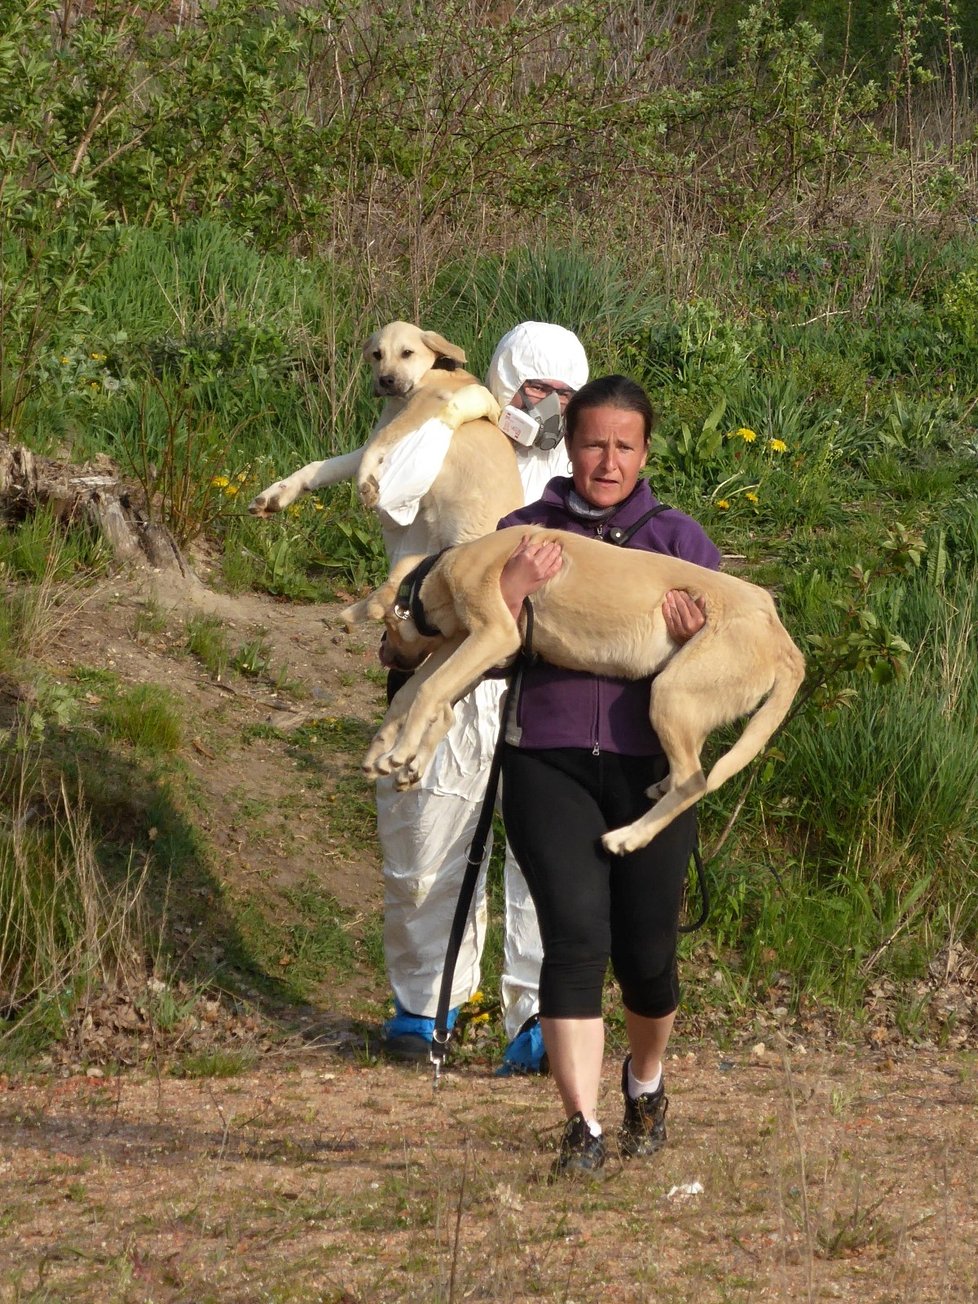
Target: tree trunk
[{"x": 93, "y": 495}]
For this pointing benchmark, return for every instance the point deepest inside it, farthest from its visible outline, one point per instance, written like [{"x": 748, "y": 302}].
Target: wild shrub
[{"x": 65, "y": 931}]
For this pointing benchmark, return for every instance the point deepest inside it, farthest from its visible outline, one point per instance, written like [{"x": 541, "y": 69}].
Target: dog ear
[
  {"x": 375, "y": 605},
  {"x": 372, "y": 607},
  {"x": 442, "y": 347},
  {"x": 369, "y": 344}
]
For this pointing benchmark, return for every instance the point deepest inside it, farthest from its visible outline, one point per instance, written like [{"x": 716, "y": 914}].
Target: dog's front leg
[
  {"x": 317, "y": 475},
  {"x": 431, "y": 715},
  {"x": 438, "y": 726},
  {"x": 377, "y": 760},
  {"x": 374, "y": 762}
]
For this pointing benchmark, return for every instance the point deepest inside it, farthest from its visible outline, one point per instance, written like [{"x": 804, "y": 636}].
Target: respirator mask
[{"x": 540, "y": 426}]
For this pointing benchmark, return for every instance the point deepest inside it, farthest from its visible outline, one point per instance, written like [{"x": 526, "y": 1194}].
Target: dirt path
[{"x": 319, "y": 1177}]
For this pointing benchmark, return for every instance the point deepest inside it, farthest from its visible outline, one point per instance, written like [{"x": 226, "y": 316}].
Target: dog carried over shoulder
[
  {"x": 601, "y": 613},
  {"x": 435, "y": 440}
]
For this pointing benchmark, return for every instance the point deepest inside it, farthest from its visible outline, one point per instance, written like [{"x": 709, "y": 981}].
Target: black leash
[
  {"x": 704, "y": 891},
  {"x": 476, "y": 855}
]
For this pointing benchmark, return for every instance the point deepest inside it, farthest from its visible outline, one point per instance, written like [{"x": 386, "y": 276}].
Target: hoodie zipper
[{"x": 596, "y": 725}]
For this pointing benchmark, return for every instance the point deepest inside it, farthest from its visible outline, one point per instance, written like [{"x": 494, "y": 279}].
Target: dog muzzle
[{"x": 541, "y": 426}]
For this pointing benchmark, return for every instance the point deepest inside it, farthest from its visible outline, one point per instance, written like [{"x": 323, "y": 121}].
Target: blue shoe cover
[
  {"x": 405, "y": 1024},
  {"x": 526, "y": 1052}
]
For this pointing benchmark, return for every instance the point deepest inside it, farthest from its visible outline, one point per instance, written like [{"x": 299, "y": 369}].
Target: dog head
[{"x": 401, "y": 355}]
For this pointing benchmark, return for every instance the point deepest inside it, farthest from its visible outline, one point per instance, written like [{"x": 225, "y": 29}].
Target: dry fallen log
[{"x": 94, "y": 495}]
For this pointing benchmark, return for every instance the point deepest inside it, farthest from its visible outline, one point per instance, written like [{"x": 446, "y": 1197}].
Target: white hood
[{"x": 536, "y": 350}]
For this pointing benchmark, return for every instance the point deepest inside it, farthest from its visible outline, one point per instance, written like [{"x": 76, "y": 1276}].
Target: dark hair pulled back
[{"x": 609, "y": 391}]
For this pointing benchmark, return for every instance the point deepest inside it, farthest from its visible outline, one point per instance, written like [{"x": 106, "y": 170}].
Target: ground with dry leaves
[
  {"x": 799, "y": 1167},
  {"x": 320, "y": 1178}
]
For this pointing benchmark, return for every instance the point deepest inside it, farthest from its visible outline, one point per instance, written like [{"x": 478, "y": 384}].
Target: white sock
[
  {"x": 636, "y": 1087},
  {"x": 593, "y": 1126}
]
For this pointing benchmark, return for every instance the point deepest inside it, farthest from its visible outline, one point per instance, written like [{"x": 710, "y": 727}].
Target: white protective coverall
[{"x": 425, "y": 832}]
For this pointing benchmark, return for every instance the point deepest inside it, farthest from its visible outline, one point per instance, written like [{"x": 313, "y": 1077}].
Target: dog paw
[
  {"x": 614, "y": 843},
  {"x": 658, "y": 790},
  {"x": 369, "y": 491},
  {"x": 374, "y": 767},
  {"x": 407, "y": 776},
  {"x": 266, "y": 504},
  {"x": 272, "y": 500},
  {"x": 619, "y": 842}
]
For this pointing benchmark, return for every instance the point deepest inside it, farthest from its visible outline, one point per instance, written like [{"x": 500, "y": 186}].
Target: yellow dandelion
[
  {"x": 319, "y": 507},
  {"x": 746, "y": 434},
  {"x": 723, "y": 504},
  {"x": 220, "y": 482},
  {"x": 777, "y": 446},
  {"x": 231, "y": 489},
  {"x": 480, "y": 1018},
  {"x": 295, "y": 510},
  {"x": 751, "y": 497},
  {"x": 65, "y": 361},
  {"x": 241, "y": 477}
]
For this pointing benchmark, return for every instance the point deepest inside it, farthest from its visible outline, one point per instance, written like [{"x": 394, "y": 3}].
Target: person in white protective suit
[{"x": 425, "y": 832}]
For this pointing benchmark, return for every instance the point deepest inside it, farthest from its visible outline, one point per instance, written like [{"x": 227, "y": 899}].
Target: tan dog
[
  {"x": 601, "y": 613},
  {"x": 419, "y": 375}
]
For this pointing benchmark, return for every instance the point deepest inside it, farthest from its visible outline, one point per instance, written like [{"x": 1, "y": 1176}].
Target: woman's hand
[
  {"x": 683, "y": 615},
  {"x": 527, "y": 570}
]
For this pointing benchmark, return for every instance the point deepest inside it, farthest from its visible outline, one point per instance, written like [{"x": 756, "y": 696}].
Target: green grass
[
  {"x": 38, "y": 549},
  {"x": 213, "y": 1064},
  {"x": 147, "y": 716},
  {"x": 302, "y": 938},
  {"x": 208, "y": 641},
  {"x": 854, "y": 349}
]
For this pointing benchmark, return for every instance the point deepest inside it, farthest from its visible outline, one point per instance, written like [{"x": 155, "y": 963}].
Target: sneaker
[
  {"x": 643, "y": 1129},
  {"x": 581, "y": 1152},
  {"x": 408, "y": 1037},
  {"x": 526, "y": 1052}
]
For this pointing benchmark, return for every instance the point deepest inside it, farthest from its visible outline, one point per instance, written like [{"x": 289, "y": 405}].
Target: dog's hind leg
[
  {"x": 676, "y": 712},
  {"x": 696, "y": 694},
  {"x": 789, "y": 674},
  {"x": 686, "y": 784}
]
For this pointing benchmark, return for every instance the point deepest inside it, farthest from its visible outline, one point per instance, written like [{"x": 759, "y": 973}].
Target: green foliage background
[{"x": 764, "y": 214}]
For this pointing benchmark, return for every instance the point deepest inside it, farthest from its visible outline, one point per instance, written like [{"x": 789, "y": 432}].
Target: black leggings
[{"x": 556, "y": 805}]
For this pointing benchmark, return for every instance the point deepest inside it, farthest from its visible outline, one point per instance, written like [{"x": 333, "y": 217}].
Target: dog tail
[{"x": 763, "y": 723}]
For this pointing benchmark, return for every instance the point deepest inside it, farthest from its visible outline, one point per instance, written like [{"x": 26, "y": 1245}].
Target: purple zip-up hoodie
[{"x": 570, "y": 708}]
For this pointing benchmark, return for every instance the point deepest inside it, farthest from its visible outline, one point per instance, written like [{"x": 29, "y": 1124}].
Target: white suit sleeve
[{"x": 410, "y": 469}]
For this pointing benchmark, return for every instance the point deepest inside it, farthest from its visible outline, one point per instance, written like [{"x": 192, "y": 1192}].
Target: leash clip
[{"x": 439, "y": 1045}]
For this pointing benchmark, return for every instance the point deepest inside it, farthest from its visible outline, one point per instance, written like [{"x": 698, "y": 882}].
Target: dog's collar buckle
[{"x": 407, "y": 603}]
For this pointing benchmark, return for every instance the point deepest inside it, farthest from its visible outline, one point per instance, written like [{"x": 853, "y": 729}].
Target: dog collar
[{"x": 407, "y": 601}]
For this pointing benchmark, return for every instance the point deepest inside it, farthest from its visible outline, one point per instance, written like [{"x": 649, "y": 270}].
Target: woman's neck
[{"x": 585, "y": 511}]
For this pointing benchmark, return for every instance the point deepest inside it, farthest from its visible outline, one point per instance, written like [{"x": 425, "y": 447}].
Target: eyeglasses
[{"x": 541, "y": 389}]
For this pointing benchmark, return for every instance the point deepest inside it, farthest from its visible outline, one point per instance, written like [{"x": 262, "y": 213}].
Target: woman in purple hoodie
[{"x": 580, "y": 755}]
